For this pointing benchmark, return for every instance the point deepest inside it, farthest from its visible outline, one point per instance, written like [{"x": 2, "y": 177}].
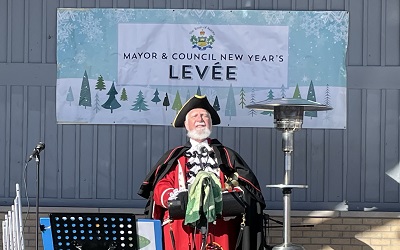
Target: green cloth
[{"x": 212, "y": 200}]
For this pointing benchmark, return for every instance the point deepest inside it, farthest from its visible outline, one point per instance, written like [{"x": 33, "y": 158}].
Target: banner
[{"x": 134, "y": 66}]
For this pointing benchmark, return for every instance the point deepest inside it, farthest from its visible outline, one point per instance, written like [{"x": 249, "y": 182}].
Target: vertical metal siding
[
  {"x": 390, "y": 148},
  {"x": 391, "y": 33},
  {"x": 373, "y": 20},
  {"x": 103, "y": 165},
  {"x": 3, "y": 148},
  {"x": 355, "y": 144},
  {"x": 356, "y": 33},
  {"x": 373, "y": 144}
]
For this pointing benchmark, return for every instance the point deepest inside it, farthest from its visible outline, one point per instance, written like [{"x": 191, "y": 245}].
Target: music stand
[{"x": 93, "y": 231}]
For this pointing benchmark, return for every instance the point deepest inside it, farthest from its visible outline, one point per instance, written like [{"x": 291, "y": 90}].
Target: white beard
[{"x": 199, "y": 134}]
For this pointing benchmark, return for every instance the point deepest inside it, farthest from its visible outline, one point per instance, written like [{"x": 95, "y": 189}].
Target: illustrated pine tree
[
  {"x": 230, "y": 109},
  {"x": 85, "y": 98},
  {"x": 327, "y": 102},
  {"x": 166, "y": 101},
  {"x": 124, "y": 96},
  {"x": 270, "y": 96},
  {"x": 100, "y": 84},
  {"x": 70, "y": 96},
  {"x": 198, "y": 92},
  {"x": 283, "y": 91},
  {"x": 252, "y": 112},
  {"x": 311, "y": 97},
  {"x": 140, "y": 103},
  {"x": 242, "y": 95},
  {"x": 216, "y": 104},
  {"x": 296, "y": 93},
  {"x": 327, "y": 96},
  {"x": 96, "y": 103},
  {"x": 112, "y": 102},
  {"x": 177, "y": 105},
  {"x": 156, "y": 99}
]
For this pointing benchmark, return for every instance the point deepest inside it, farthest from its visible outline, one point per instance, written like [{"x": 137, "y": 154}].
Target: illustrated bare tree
[
  {"x": 252, "y": 112},
  {"x": 283, "y": 91},
  {"x": 96, "y": 103},
  {"x": 242, "y": 95}
]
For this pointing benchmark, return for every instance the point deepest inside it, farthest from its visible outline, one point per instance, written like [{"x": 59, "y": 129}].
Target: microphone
[{"x": 36, "y": 151}]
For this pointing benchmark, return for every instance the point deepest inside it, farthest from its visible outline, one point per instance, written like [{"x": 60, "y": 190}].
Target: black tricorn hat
[{"x": 196, "y": 101}]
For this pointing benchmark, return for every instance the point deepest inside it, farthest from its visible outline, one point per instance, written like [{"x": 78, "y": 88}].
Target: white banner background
[{"x": 154, "y": 54}]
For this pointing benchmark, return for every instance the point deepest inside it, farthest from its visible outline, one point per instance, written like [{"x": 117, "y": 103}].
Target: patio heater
[{"x": 288, "y": 117}]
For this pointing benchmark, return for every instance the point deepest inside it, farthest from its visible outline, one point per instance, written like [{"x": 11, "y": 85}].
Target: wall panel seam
[
  {"x": 42, "y": 131},
  {"x": 130, "y": 162},
  {"x": 25, "y": 122},
  {"x": 363, "y": 146},
  {"x": 345, "y": 165},
  {"x": 382, "y": 148},
  {"x": 383, "y": 33},
  {"x": 326, "y": 166},
  {"x": 8, "y": 141},
  {"x": 95, "y": 158},
  {"x": 26, "y": 31},
  {"x": 113, "y": 163},
  {"x": 44, "y": 30},
  {"x": 59, "y": 153},
  {"x": 365, "y": 34},
  {"x": 9, "y": 33},
  {"x": 77, "y": 161}
]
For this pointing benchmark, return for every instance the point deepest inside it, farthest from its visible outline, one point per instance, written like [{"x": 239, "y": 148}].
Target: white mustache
[{"x": 200, "y": 124}]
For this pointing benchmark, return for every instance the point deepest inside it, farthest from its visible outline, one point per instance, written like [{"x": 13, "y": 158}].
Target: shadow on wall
[{"x": 339, "y": 233}]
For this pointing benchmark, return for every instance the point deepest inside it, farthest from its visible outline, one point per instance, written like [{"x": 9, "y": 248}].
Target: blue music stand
[
  {"x": 100, "y": 231},
  {"x": 149, "y": 234}
]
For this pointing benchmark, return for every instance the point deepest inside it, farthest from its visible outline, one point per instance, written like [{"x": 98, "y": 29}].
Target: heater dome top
[{"x": 294, "y": 102}]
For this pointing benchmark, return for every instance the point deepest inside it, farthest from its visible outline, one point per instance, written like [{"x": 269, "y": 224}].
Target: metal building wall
[{"x": 103, "y": 165}]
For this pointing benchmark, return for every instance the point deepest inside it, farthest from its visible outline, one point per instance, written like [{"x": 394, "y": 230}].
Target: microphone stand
[{"x": 37, "y": 159}]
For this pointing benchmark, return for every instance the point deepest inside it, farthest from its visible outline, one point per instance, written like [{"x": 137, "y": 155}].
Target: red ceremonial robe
[
  {"x": 224, "y": 233},
  {"x": 251, "y": 237}
]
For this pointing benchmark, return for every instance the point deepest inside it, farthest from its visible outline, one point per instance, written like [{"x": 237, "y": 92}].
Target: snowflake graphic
[
  {"x": 119, "y": 16},
  {"x": 200, "y": 13},
  {"x": 91, "y": 27},
  {"x": 334, "y": 22},
  {"x": 228, "y": 16},
  {"x": 274, "y": 17},
  {"x": 312, "y": 25},
  {"x": 80, "y": 57},
  {"x": 339, "y": 32},
  {"x": 65, "y": 27}
]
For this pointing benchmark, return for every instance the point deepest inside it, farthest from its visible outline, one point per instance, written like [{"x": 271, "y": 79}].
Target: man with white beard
[{"x": 185, "y": 170}]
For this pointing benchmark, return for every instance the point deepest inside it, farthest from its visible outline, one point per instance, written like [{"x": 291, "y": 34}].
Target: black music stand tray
[{"x": 96, "y": 231}]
